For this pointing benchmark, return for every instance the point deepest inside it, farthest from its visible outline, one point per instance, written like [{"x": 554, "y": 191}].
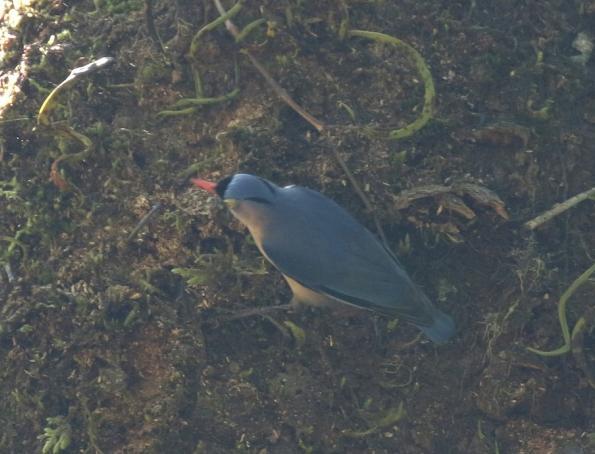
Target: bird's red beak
[{"x": 205, "y": 185}]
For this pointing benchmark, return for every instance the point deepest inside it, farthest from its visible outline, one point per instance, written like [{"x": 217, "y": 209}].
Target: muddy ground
[{"x": 112, "y": 342}]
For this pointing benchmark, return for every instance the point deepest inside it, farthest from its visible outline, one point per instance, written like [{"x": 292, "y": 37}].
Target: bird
[{"x": 326, "y": 256}]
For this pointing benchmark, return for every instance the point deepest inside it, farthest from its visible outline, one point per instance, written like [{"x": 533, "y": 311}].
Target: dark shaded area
[{"x": 124, "y": 345}]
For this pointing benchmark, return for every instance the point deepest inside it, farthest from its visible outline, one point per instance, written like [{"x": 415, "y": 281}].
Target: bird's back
[{"x": 319, "y": 244}]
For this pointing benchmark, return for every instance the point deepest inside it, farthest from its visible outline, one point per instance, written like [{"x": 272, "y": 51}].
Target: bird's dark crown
[{"x": 243, "y": 186}]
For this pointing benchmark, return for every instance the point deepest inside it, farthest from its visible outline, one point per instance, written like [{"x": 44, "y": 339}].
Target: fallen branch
[
  {"x": 49, "y": 102},
  {"x": 316, "y": 124},
  {"x": 280, "y": 91},
  {"x": 559, "y": 208}
]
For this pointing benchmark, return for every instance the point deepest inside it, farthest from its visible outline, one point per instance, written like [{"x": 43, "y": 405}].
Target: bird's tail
[{"x": 442, "y": 329}]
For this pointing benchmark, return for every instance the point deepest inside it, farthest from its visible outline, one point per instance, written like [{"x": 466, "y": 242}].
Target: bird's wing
[{"x": 320, "y": 245}]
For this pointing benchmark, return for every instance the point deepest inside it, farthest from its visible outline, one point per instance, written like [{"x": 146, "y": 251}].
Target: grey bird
[{"x": 325, "y": 255}]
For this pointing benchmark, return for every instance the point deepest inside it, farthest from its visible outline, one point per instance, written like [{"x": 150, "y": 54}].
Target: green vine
[
  {"x": 424, "y": 72},
  {"x": 583, "y": 278},
  {"x": 187, "y": 106}
]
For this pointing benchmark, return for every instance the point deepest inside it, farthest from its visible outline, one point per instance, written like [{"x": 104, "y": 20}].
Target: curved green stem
[
  {"x": 50, "y": 101},
  {"x": 579, "y": 332},
  {"x": 188, "y": 105},
  {"x": 562, "y": 315},
  {"x": 13, "y": 243},
  {"x": 248, "y": 29},
  {"x": 235, "y": 9},
  {"x": 55, "y": 175},
  {"x": 424, "y": 72},
  {"x": 187, "y": 102},
  {"x": 66, "y": 130}
]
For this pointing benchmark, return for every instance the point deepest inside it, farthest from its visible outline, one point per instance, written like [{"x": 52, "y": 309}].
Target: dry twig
[
  {"x": 559, "y": 208},
  {"x": 316, "y": 124}
]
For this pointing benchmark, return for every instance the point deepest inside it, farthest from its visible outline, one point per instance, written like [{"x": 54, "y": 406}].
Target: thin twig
[
  {"x": 260, "y": 311},
  {"x": 280, "y": 91},
  {"x": 559, "y": 208},
  {"x": 152, "y": 212},
  {"x": 316, "y": 124},
  {"x": 360, "y": 193}
]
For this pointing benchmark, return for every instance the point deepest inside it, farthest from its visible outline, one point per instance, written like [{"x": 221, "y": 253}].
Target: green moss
[
  {"x": 380, "y": 421},
  {"x": 153, "y": 72},
  {"x": 117, "y": 6},
  {"x": 56, "y": 435}
]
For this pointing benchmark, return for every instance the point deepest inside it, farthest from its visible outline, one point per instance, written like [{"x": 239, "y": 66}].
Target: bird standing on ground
[{"x": 325, "y": 255}]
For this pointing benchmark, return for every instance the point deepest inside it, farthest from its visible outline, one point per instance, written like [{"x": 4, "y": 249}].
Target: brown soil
[{"x": 124, "y": 345}]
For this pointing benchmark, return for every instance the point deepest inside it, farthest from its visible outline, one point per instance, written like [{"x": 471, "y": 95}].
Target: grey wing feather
[{"x": 320, "y": 245}]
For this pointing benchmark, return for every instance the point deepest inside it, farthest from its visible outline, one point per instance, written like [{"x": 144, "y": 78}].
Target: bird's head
[{"x": 247, "y": 196}]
